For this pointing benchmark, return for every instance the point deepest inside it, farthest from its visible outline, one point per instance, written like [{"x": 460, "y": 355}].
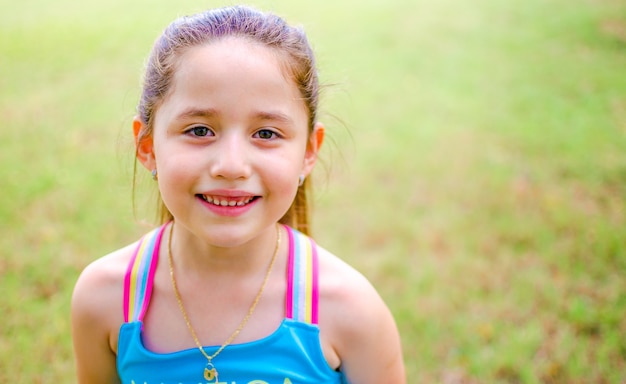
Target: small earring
[
  {"x": 154, "y": 174},
  {"x": 300, "y": 180}
]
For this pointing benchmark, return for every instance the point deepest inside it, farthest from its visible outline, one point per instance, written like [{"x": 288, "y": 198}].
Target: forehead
[
  {"x": 234, "y": 73},
  {"x": 227, "y": 51},
  {"x": 239, "y": 60}
]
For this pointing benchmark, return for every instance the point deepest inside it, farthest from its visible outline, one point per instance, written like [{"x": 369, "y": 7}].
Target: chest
[{"x": 211, "y": 316}]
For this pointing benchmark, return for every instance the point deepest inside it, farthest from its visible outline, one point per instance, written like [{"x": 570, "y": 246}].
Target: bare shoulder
[
  {"x": 357, "y": 323},
  {"x": 347, "y": 298},
  {"x": 97, "y": 314},
  {"x": 101, "y": 283},
  {"x": 343, "y": 285}
]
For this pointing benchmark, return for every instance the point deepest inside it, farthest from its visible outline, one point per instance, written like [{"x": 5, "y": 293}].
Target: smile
[{"x": 223, "y": 201}]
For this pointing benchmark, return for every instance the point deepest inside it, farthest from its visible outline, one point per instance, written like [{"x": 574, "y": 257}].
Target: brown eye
[
  {"x": 266, "y": 134},
  {"x": 200, "y": 131}
]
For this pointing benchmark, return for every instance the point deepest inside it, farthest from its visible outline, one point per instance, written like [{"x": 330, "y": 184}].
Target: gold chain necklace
[{"x": 210, "y": 372}]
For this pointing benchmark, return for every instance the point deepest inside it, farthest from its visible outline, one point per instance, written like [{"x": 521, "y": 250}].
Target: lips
[{"x": 228, "y": 201}]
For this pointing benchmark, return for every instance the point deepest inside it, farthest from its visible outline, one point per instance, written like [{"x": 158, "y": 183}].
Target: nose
[{"x": 230, "y": 158}]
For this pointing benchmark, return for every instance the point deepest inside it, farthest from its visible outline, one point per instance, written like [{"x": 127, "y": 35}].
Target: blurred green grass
[{"x": 476, "y": 173}]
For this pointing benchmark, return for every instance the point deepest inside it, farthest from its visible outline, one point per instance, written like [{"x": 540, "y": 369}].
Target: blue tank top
[{"x": 290, "y": 355}]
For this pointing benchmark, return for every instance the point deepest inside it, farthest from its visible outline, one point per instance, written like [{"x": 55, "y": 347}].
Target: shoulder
[
  {"x": 357, "y": 324},
  {"x": 342, "y": 283},
  {"x": 98, "y": 293},
  {"x": 97, "y": 314},
  {"x": 104, "y": 275},
  {"x": 346, "y": 296}
]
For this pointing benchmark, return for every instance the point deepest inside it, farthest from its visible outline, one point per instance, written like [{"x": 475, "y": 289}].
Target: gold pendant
[{"x": 210, "y": 373}]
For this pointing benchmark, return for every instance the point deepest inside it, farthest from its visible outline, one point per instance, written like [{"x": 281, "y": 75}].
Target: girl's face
[{"x": 230, "y": 141}]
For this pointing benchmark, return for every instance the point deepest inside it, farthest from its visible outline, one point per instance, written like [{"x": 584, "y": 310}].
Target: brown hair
[{"x": 270, "y": 30}]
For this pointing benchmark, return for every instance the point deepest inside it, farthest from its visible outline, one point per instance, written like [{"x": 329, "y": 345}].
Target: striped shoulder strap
[
  {"x": 302, "y": 278},
  {"x": 140, "y": 274}
]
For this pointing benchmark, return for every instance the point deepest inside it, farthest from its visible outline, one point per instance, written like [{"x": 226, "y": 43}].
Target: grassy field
[{"x": 476, "y": 173}]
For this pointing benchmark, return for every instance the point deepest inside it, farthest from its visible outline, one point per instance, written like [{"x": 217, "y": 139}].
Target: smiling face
[{"x": 230, "y": 141}]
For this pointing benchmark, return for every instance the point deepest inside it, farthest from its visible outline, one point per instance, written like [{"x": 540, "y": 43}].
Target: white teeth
[{"x": 226, "y": 203}]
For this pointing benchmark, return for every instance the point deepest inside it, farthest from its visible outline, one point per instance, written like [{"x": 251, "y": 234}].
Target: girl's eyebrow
[
  {"x": 273, "y": 116},
  {"x": 211, "y": 112},
  {"x": 196, "y": 112}
]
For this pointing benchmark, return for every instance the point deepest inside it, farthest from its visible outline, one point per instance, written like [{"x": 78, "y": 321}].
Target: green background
[{"x": 475, "y": 173}]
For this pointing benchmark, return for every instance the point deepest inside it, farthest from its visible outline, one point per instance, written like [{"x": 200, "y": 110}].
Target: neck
[{"x": 203, "y": 257}]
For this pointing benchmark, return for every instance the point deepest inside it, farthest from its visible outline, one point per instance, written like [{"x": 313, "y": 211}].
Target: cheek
[
  {"x": 289, "y": 165},
  {"x": 281, "y": 175},
  {"x": 176, "y": 165},
  {"x": 283, "y": 180},
  {"x": 285, "y": 192}
]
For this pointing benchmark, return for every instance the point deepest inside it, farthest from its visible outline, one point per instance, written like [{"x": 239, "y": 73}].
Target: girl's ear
[
  {"x": 144, "y": 146},
  {"x": 313, "y": 147}
]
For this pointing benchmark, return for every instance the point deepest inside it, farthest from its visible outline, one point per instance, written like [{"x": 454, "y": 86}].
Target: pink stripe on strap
[
  {"x": 290, "y": 275},
  {"x": 315, "y": 287}
]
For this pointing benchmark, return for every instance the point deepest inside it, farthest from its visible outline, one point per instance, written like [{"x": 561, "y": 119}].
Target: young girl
[{"x": 230, "y": 289}]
